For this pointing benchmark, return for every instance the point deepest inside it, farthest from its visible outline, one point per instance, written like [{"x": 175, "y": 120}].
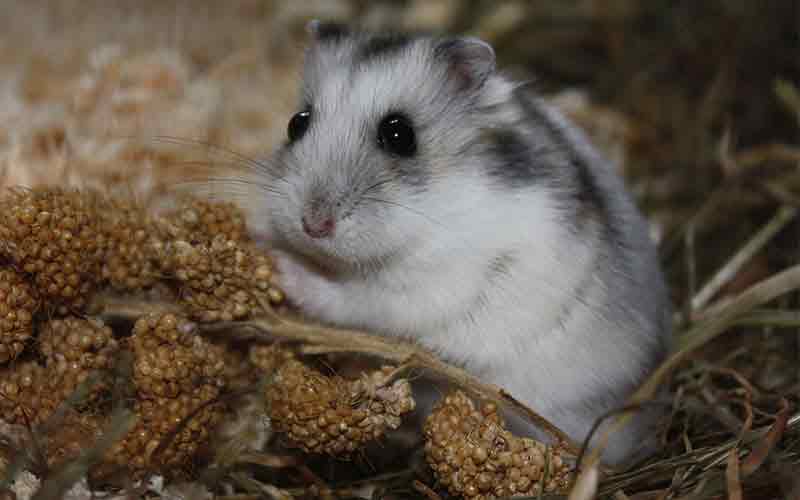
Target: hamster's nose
[{"x": 318, "y": 227}]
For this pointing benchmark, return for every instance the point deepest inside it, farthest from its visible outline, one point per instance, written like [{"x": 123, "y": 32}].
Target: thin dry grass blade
[
  {"x": 119, "y": 424},
  {"x": 732, "y": 478},
  {"x": 585, "y": 486},
  {"x": 765, "y": 445},
  {"x": 784, "y": 215},
  {"x": 424, "y": 490}
]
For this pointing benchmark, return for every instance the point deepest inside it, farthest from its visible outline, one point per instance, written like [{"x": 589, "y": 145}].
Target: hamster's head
[{"x": 383, "y": 150}]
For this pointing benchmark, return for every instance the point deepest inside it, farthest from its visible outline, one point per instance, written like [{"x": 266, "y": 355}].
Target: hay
[{"x": 697, "y": 102}]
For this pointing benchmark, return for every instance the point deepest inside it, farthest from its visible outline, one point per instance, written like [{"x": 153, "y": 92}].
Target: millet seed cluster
[
  {"x": 473, "y": 455},
  {"x": 19, "y": 301},
  {"x": 178, "y": 376},
  {"x": 330, "y": 414},
  {"x": 58, "y": 248}
]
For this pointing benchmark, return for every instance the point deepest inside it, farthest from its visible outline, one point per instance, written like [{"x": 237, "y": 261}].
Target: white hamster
[{"x": 423, "y": 195}]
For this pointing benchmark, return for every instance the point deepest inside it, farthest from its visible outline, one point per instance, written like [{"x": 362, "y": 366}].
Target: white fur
[{"x": 421, "y": 271}]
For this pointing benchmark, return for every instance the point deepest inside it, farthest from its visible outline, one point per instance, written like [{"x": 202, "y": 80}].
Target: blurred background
[{"x": 697, "y": 102}]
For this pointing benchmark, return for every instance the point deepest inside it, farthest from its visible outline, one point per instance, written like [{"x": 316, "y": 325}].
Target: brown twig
[
  {"x": 424, "y": 490},
  {"x": 405, "y": 353},
  {"x": 732, "y": 476},
  {"x": 324, "y": 339}
]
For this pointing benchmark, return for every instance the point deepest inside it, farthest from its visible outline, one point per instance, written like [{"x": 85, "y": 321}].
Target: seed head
[
  {"x": 329, "y": 414},
  {"x": 18, "y": 304},
  {"x": 55, "y": 236},
  {"x": 473, "y": 455},
  {"x": 130, "y": 261},
  {"x": 223, "y": 280}
]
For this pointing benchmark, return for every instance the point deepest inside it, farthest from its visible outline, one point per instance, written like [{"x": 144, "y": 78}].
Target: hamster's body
[{"x": 493, "y": 234}]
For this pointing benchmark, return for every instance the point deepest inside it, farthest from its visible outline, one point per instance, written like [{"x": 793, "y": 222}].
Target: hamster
[{"x": 421, "y": 194}]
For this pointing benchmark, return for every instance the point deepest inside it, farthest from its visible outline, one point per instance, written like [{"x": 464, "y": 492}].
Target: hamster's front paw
[
  {"x": 291, "y": 275},
  {"x": 304, "y": 288}
]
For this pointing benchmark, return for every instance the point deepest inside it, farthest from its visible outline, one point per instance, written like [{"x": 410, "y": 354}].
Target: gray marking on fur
[{"x": 379, "y": 46}]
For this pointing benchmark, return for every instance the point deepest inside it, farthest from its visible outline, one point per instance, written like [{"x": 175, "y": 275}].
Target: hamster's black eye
[
  {"x": 298, "y": 125},
  {"x": 396, "y": 135}
]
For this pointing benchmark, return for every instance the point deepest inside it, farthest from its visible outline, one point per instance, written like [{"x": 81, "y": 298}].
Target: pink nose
[{"x": 318, "y": 228}]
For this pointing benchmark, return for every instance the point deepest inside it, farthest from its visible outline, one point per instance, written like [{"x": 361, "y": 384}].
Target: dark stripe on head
[
  {"x": 589, "y": 195},
  {"x": 586, "y": 190},
  {"x": 516, "y": 165},
  {"x": 331, "y": 32},
  {"x": 376, "y": 46}
]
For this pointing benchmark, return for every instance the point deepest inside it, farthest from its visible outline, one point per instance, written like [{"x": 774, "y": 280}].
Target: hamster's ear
[
  {"x": 470, "y": 61},
  {"x": 326, "y": 31}
]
